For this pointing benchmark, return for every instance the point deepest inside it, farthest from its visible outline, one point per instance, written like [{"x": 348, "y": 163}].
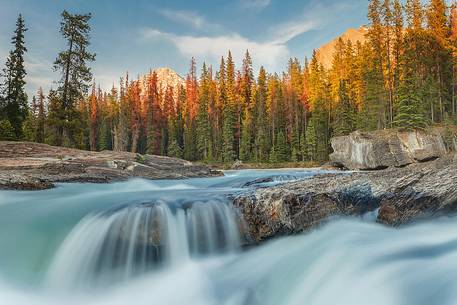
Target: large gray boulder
[
  {"x": 387, "y": 148},
  {"x": 400, "y": 195}
]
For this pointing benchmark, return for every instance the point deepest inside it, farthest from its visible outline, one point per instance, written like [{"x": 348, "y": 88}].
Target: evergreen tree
[
  {"x": 311, "y": 141},
  {"x": 281, "y": 148},
  {"x": 41, "y": 117},
  {"x": 75, "y": 74},
  {"x": 6, "y": 131},
  {"x": 410, "y": 114},
  {"x": 262, "y": 138},
  {"x": 345, "y": 120},
  {"x": 228, "y": 129},
  {"x": 414, "y": 14},
  {"x": 203, "y": 126},
  {"x": 14, "y": 97},
  {"x": 174, "y": 150}
]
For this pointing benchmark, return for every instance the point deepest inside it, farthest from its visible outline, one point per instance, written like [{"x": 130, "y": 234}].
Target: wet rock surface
[
  {"x": 402, "y": 195},
  {"x": 33, "y": 166}
]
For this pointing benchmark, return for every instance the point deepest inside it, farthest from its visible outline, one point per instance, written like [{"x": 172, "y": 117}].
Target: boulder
[
  {"x": 400, "y": 195},
  {"x": 391, "y": 148}
]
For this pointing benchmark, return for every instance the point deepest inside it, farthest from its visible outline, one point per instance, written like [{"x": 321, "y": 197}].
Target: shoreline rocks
[
  {"x": 34, "y": 166},
  {"x": 402, "y": 195}
]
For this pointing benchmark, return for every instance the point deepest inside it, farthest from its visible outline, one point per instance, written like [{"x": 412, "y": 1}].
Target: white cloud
[
  {"x": 39, "y": 74},
  {"x": 269, "y": 54},
  {"x": 189, "y": 18},
  {"x": 287, "y": 31},
  {"x": 256, "y": 4},
  {"x": 270, "y": 51}
]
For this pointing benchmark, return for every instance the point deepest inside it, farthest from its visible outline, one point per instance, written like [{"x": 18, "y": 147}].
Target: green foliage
[
  {"x": 280, "y": 151},
  {"x": 140, "y": 158},
  {"x": 6, "y": 131},
  {"x": 410, "y": 114},
  {"x": 13, "y": 88},
  {"x": 174, "y": 150},
  {"x": 75, "y": 76},
  {"x": 345, "y": 121},
  {"x": 310, "y": 148}
]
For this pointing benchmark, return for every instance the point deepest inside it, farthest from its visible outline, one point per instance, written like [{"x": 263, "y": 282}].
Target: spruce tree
[
  {"x": 410, "y": 114},
  {"x": 228, "y": 129},
  {"x": 262, "y": 135},
  {"x": 203, "y": 124},
  {"x": 15, "y": 105},
  {"x": 345, "y": 119},
  {"x": 6, "y": 131},
  {"x": 41, "y": 117},
  {"x": 281, "y": 147},
  {"x": 75, "y": 74},
  {"x": 311, "y": 141}
]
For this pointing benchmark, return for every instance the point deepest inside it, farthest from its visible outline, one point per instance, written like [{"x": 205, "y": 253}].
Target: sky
[{"x": 139, "y": 35}]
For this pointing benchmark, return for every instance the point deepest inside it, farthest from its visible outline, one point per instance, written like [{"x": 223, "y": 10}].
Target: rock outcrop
[
  {"x": 29, "y": 166},
  {"x": 402, "y": 195},
  {"x": 387, "y": 148}
]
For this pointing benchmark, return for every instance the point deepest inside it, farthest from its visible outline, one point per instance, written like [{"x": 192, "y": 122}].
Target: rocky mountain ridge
[{"x": 325, "y": 52}]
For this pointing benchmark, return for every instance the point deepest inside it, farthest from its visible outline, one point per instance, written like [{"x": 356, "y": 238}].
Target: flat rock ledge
[
  {"x": 401, "y": 195},
  {"x": 34, "y": 166}
]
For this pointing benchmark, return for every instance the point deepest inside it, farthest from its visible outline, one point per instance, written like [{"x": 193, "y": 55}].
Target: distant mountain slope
[
  {"x": 325, "y": 52},
  {"x": 165, "y": 77}
]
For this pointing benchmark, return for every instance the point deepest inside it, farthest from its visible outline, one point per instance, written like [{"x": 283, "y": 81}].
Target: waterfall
[{"x": 119, "y": 244}]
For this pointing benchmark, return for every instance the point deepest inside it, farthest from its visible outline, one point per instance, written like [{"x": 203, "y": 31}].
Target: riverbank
[
  {"x": 400, "y": 176},
  {"x": 34, "y": 166},
  {"x": 239, "y": 165}
]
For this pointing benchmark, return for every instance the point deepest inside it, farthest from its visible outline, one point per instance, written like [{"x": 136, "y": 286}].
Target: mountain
[
  {"x": 325, "y": 52},
  {"x": 165, "y": 77}
]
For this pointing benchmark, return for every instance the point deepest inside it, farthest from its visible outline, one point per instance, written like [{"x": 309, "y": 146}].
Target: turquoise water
[{"x": 180, "y": 242}]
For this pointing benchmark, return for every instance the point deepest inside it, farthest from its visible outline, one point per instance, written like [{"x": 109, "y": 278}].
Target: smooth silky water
[{"x": 181, "y": 242}]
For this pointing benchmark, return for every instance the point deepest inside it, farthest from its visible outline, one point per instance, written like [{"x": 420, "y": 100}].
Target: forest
[{"x": 402, "y": 77}]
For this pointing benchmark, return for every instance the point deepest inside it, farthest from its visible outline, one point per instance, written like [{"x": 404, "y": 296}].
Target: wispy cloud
[
  {"x": 39, "y": 74},
  {"x": 283, "y": 33},
  {"x": 255, "y": 4},
  {"x": 212, "y": 48},
  {"x": 190, "y": 18}
]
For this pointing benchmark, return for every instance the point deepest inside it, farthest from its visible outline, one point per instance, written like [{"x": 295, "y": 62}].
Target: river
[{"x": 181, "y": 242}]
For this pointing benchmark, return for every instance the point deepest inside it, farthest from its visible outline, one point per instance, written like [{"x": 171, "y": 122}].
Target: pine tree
[
  {"x": 174, "y": 150},
  {"x": 190, "y": 112},
  {"x": 15, "y": 99},
  {"x": 203, "y": 126},
  {"x": 6, "y": 131},
  {"x": 281, "y": 147},
  {"x": 93, "y": 115},
  {"x": 414, "y": 14},
  {"x": 40, "y": 117},
  {"x": 410, "y": 114},
  {"x": 228, "y": 129},
  {"x": 75, "y": 74},
  {"x": 262, "y": 138},
  {"x": 345, "y": 120},
  {"x": 311, "y": 141},
  {"x": 397, "y": 43}
]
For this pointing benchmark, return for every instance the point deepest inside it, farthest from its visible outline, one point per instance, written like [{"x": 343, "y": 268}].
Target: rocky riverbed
[
  {"x": 418, "y": 180},
  {"x": 402, "y": 195},
  {"x": 32, "y": 166}
]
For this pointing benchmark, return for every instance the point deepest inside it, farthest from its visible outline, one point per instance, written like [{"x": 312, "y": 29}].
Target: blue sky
[{"x": 138, "y": 35}]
